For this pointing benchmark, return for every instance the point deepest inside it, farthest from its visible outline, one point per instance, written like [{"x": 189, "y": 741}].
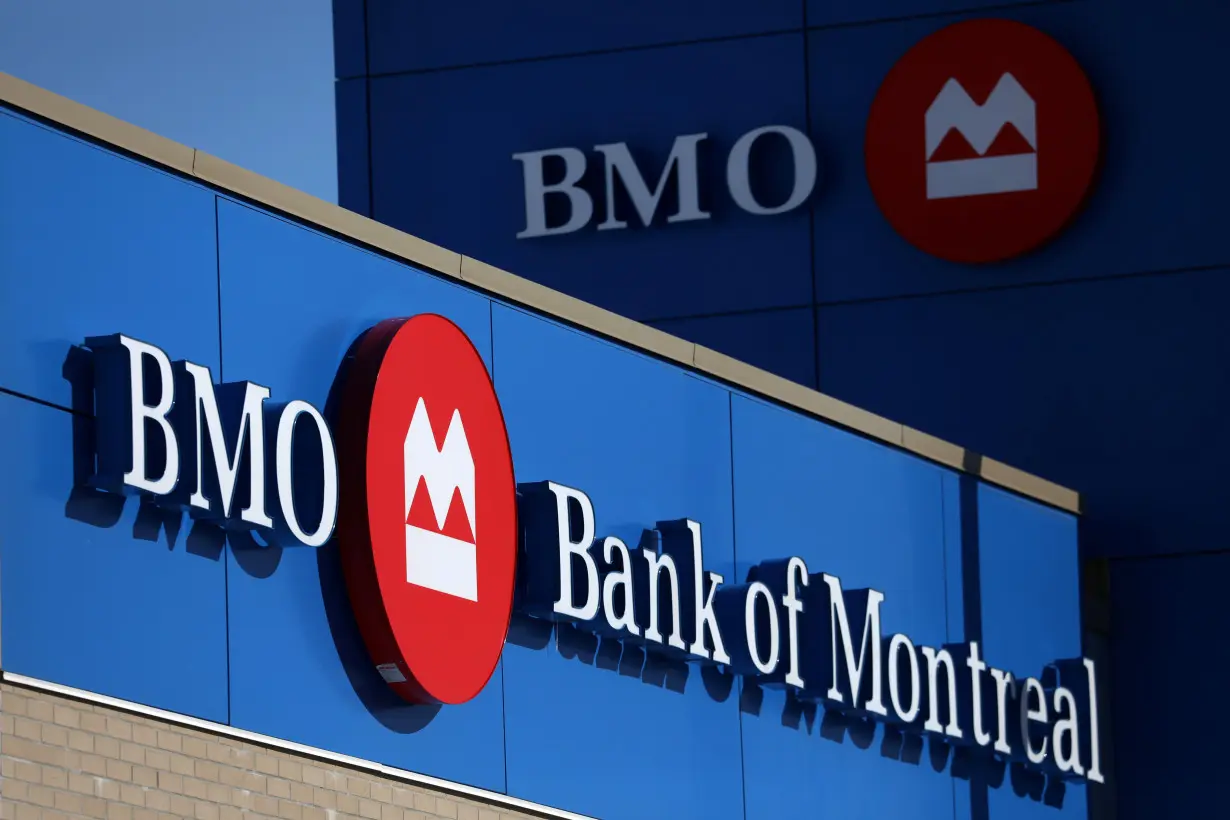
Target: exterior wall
[
  {"x": 67, "y": 758},
  {"x": 1097, "y": 361},
  {"x": 126, "y": 600}
]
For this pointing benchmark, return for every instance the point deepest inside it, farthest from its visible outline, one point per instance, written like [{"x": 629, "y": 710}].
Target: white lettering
[
  {"x": 136, "y": 477},
  {"x": 614, "y": 579},
  {"x": 1028, "y": 714},
  {"x": 804, "y": 170},
  {"x": 764, "y": 665},
  {"x": 682, "y": 157},
  {"x": 705, "y": 619},
  {"x": 934, "y": 661},
  {"x": 580, "y": 548},
  {"x": 871, "y": 636},
  {"x": 536, "y": 190},
  {"x": 796, "y": 573},
  {"x": 251, "y": 432},
  {"x": 1095, "y": 754},
  {"x": 1005, "y": 684},
  {"x": 908, "y": 714},
  {"x": 1067, "y": 754},
  {"x": 977, "y": 666},
  {"x": 285, "y": 474},
  {"x": 658, "y": 563}
]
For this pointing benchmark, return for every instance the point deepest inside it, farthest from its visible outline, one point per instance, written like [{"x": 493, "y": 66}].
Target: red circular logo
[
  {"x": 983, "y": 141},
  {"x": 428, "y": 514}
]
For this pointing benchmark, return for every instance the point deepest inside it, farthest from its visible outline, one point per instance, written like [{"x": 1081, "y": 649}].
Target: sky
[{"x": 250, "y": 81}]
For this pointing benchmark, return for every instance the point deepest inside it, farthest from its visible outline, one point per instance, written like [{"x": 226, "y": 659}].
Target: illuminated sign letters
[{"x": 618, "y": 164}]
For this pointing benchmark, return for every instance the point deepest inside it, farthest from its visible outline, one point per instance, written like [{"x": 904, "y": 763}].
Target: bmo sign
[{"x": 646, "y": 192}]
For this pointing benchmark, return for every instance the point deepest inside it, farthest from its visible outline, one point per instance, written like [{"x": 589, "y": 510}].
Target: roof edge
[{"x": 220, "y": 174}]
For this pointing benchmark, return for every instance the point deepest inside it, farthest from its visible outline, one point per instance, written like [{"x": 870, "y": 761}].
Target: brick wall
[{"x": 63, "y": 758}]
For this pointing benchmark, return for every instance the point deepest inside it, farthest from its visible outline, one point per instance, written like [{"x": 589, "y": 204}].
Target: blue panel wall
[
  {"x": 417, "y": 36},
  {"x": 777, "y": 340},
  {"x": 291, "y": 604},
  {"x": 139, "y": 605},
  {"x": 647, "y": 442},
  {"x": 469, "y": 191}
]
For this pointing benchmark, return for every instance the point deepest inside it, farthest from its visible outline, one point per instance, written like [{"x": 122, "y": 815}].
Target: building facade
[
  {"x": 1065, "y": 316},
  {"x": 307, "y": 517}
]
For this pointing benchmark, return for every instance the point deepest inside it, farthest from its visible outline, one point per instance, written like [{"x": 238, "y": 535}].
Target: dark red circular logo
[
  {"x": 428, "y": 515},
  {"x": 982, "y": 141}
]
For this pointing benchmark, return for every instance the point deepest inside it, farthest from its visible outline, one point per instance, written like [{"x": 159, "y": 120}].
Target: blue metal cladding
[
  {"x": 733, "y": 261},
  {"x": 149, "y": 608}
]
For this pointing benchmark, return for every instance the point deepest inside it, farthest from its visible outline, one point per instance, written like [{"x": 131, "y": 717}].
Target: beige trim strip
[
  {"x": 222, "y": 730},
  {"x": 233, "y": 179}
]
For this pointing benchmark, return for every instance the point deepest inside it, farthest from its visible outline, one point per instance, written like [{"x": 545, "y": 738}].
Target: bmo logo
[
  {"x": 983, "y": 141},
  {"x": 428, "y": 521}
]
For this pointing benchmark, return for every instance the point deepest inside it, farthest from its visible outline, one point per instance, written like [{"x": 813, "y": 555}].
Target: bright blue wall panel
[
  {"x": 100, "y": 594},
  {"x": 873, "y": 518},
  {"x": 291, "y": 605},
  {"x": 1114, "y": 387},
  {"x": 416, "y": 36},
  {"x": 442, "y": 146},
  {"x": 1029, "y": 574},
  {"x": 141, "y": 258},
  {"x": 780, "y": 341},
  {"x": 1158, "y": 131},
  {"x": 647, "y": 442},
  {"x": 1170, "y": 618}
]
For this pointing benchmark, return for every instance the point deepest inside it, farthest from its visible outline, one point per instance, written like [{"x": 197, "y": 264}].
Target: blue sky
[{"x": 250, "y": 81}]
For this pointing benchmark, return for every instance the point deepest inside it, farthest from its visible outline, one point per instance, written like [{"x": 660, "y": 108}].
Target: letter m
[{"x": 682, "y": 158}]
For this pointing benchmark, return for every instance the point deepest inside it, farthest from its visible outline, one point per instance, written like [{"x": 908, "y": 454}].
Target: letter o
[
  {"x": 286, "y": 481},
  {"x": 754, "y": 591},
  {"x": 804, "y": 170},
  {"x": 894, "y": 685}
]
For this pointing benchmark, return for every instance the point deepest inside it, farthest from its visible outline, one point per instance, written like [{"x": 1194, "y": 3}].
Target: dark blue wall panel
[
  {"x": 353, "y": 174},
  {"x": 141, "y": 259},
  {"x": 1152, "y": 207},
  {"x": 647, "y": 443},
  {"x": 100, "y": 594},
  {"x": 349, "y": 38},
  {"x": 780, "y": 341},
  {"x": 1166, "y": 657},
  {"x": 837, "y": 12},
  {"x": 291, "y": 605},
  {"x": 873, "y": 518},
  {"x": 449, "y": 137},
  {"x": 420, "y": 35},
  {"x": 1114, "y": 387}
]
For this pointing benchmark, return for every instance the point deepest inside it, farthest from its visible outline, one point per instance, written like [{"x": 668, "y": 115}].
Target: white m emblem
[{"x": 434, "y": 560}]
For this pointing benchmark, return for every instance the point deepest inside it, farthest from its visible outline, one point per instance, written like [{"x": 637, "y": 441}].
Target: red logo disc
[
  {"x": 983, "y": 141},
  {"x": 428, "y": 514}
]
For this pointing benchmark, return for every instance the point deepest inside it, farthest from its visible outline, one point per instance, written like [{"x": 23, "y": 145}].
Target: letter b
[{"x": 536, "y": 190}]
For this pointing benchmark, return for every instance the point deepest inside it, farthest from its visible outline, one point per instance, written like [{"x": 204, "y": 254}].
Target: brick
[
  {"x": 40, "y": 709},
  {"x": 55, "y": 778},
  {"x": 13, "y": 703},
  {"x": 54, "y": 735},
  {"x": 382, "y": 793},
  {"x": 68, "y": 802},
  {"x": 170, "y": 741},
  {"x": 134, "y": 795},
  {"x": 195, "y": 747},
  {"x": 488, "y": 814},
  {"x": 403, "y": 797},
  {"x": 107, "y": 789},
  {"x": 218, "y": 752},
  {"x": 93, "y": 764},
  {"x": 27, "y": 728},
  {"x": 171, "y": 782},
  {"x": 118, "y": 811},
  {"x": 301, "y": 792},
  {"x": 132, "y": 753},
  {"x": 265, "y": 805},
  {"x": 359, "y": 787},
  {"x": 28, "y": 750},
  {"x": 335, "y": 780},
  {"x": 144, "y": 776},
  {"x": 182, "y": 764},
  {"x": 369, "y": 809},
  {"x": 229, "y": 813},
  {"x": 80, "y": 783},
  {"x": 119, "y": 729},
  {"x": 27, "y": 812},
  {"x": 277, "y": 787},
  {"x": 41, "y": 795},
  {"x": 446, "y": 808},
  {"x": 205, "y": 770},
  {"x": 145, "y": 735},
  {"x": 95, "y": 723},
  {"x": 66, "y": 716},
  {"x": 80, "y": 741},
  {"x": 290, "y": 770},
  {"x": 144, "y": 814},
  {"x": 106, "y": 746},
  {"x": 157, "y": 801},
  {"x": 14, "y": 790},
  {"x": 267, "y": 764},
  {"x": 314, "y": 813},
  {"x": 467, "y": 812},
  {"x": 390, "y": 812},
  {"x": 196, "y": 788},
  {"x": 119, "y": 770},
  {"x": 425, "y": 802},
  {"x": 348, "y": 804},
  {"x": 94, "y": 807},
  {"x": 8, "y": 724},
  {"x": 182, "y": 807},
  {"x": 289, "y": 811},
  {"x": 217, "y": 793},
  {"x": 206, "y": 811},
  {"x": 27, "y": 771},
  {"x": 313, "y": 776},
  {"x": 157, "y": 759}
]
